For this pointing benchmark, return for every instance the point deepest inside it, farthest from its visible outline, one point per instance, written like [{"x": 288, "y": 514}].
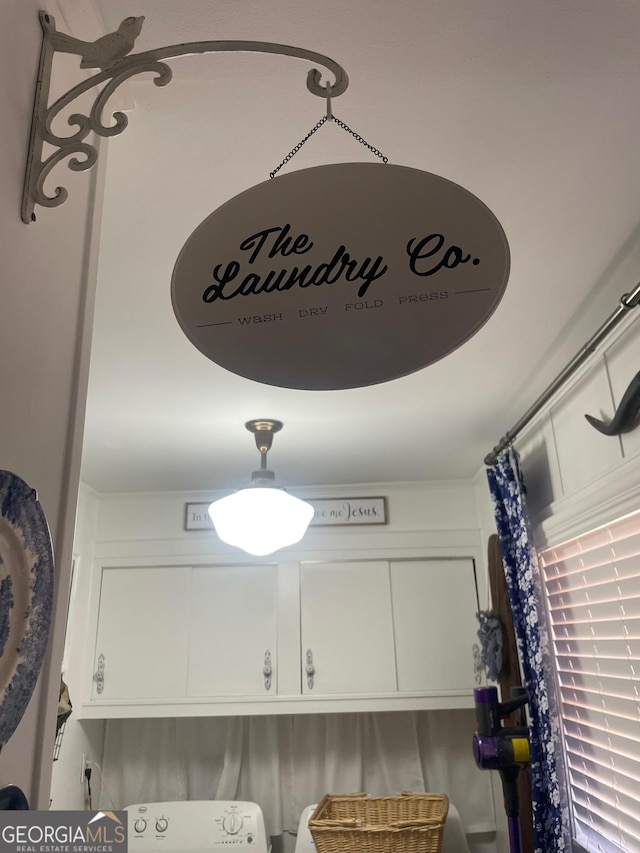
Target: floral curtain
[{"x": 522, "y": 574}]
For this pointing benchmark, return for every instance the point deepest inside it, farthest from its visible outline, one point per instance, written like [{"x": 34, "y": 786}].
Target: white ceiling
[{"x": 533, "y": 107}]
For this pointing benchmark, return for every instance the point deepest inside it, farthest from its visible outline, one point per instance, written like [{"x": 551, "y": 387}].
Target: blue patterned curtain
[{"x": 522, "y": 574}]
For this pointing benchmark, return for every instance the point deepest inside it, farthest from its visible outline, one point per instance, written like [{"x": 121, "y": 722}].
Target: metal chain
[
  {"x": 295, "y": 150},
  {"x": 360, "y": 139},
  {"x": 328, "y": 117}
]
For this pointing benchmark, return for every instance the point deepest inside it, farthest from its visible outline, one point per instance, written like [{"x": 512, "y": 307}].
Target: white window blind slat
[
  {"x": 596, "y": 832},
  {"x": 617, "y": 778},
  {"x": 610, "y": 748},
  {"x": 597, "y": 683},
  {"x": 592, "y": 592},
  {"x": 609, "y": 630},
  {"x": 616, "y": 669},
  {"x": 600, "y": 721},
  {"x": 592, "y": 739},
  {"x": 623, "y": 647},
  {"x": 590, "y": 839},
  {"x": 578, "y": 607},
  {"x": 592, "y": 589},
  {"x": 591, "y": 572},
  {"x": 601, "y": 799},
  {"x": 619, "y": 530},
  {"x": 608, "y": 787},
  {"x": 591, "y": 561},
  {"x": 581, "y": 698}
]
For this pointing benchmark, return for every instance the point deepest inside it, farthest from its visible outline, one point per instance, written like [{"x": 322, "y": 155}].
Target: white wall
[
  {"x": 81, "y": 742},
  {"x": 429, "y": 506},
  {"x": 47, "y": 285},
  {"x": 590, "y": 461},
  {"x": 428, "y": 519},
  {"x": 575, "y": 476},
  {"x": 439, "y": 516}
]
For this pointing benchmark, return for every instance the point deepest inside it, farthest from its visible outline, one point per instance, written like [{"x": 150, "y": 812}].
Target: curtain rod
[{"x": 627, "y": 302}]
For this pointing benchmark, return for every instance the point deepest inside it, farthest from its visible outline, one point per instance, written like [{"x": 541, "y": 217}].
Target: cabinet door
[
  {"x": 346, "y": 626},
  {"x": 434, "y": 606},
  {"x": 142, "y": 633},
  {"x": 233, "y": 628}
]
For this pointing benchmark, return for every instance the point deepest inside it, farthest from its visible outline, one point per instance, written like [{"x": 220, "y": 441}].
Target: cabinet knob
[
  {"x": 267, "y": 670},
  {"x": 98, "y": 675},
  {"x": 310, "y": 669}
]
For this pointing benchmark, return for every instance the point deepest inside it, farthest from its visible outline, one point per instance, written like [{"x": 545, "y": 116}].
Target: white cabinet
[
  {"x": 359, "y": 634},
  {"x": 143, "y": 633},
  {"x": 232, "y": 631},
  {"x": 347, "y": 628},
  {"x": 400, "y": 626},
  {"x": 434, "y": 606}
]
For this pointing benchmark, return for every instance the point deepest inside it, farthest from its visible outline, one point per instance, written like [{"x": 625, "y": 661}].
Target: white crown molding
[
  {"x": 357, "y": 490},
  {"x": 611, "y": 497}
]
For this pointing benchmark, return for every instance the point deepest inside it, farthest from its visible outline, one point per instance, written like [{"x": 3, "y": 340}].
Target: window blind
[{"x": 592, "y": 590}]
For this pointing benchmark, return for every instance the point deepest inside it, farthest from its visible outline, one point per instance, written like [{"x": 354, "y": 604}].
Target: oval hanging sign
[{"x": 340, "y": 276}]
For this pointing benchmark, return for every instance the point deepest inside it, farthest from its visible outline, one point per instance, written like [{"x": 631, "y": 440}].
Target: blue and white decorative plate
[{"x": 26, "y": 597}]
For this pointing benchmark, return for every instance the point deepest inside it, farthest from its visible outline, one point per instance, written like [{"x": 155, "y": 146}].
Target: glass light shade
[{"x": 260, "y": 519}]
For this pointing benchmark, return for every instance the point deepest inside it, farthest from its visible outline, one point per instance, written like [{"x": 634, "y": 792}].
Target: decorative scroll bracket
[{"x": 110, "y": 54}]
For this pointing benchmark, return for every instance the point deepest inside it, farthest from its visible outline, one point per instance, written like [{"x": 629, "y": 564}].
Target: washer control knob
[
  {"x": 140, "y": 825},
  {"x": 161, "y": 824},
  {"x": 232, "y": 823}
]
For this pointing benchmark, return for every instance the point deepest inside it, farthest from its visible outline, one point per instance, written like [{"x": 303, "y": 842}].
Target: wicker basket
[{"x": 357, "y": 823}]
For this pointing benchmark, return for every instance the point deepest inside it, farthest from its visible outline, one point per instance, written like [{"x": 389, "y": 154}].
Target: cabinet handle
[
  {"x": 310, "y": 669},
  {"x": 98, "y": 675},
  {"x": 267, "y": 670}
]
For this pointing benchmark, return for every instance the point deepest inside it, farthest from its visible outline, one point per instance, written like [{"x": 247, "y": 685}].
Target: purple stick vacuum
[{"x": 506, "y": 750}]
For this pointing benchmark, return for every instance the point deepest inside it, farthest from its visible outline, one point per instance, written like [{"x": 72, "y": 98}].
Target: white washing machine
[
  {"x": 453, "y": 838},
  {"x": 197, "y": 826}
]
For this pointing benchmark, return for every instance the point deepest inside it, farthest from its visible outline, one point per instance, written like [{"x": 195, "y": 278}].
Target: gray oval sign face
[{"x": 340, "y": 276}]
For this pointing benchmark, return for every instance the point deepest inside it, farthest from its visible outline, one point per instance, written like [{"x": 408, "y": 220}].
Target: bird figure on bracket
[
  {"x": 105, "y": 51},
  {"x": 626, "y": 417}
]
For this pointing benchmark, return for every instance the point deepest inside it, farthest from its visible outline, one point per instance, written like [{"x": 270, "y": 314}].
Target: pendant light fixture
[{"x": 262, "y": 517}]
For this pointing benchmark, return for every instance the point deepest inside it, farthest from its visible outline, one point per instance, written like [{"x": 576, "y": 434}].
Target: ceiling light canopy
[{"x": 262, "y": 517}]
